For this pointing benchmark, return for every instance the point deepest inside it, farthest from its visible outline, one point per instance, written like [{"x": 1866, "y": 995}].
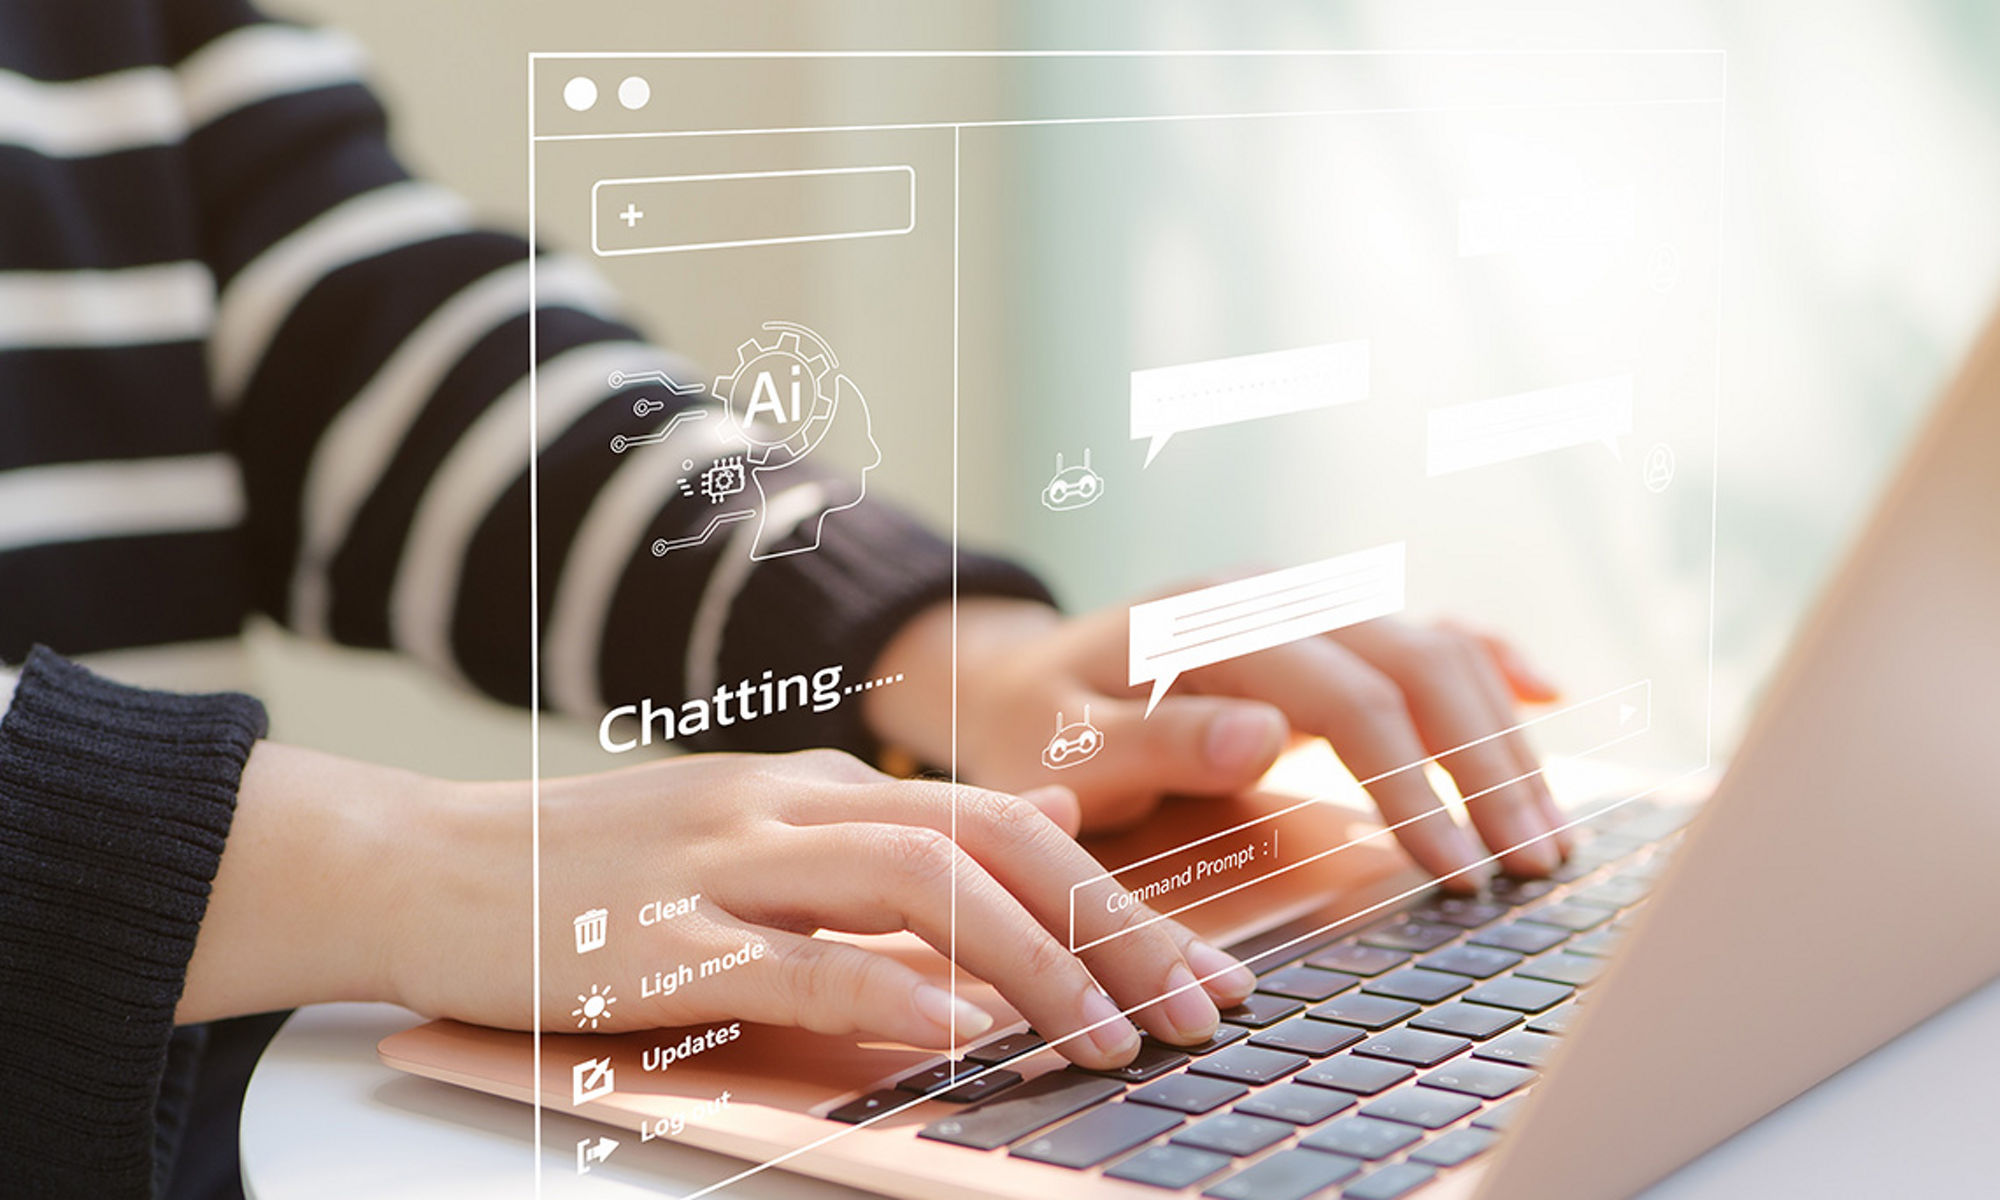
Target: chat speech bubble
[
  {"x": 1212, "y": 624},
  {"x": 1224, "y": 391},
  {"x": 1479, "y": 433}
]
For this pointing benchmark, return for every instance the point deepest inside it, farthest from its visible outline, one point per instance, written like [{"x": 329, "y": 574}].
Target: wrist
[
  {"x": 310, "y": 897},
  {"x": 915, "y": 717},
  {"x": 457, "y": 903}
]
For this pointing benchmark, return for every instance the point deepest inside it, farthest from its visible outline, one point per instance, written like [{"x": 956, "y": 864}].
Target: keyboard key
[
  {"x": 992, "y": 1081},
  {"x": 1390, "y": 1182},
  {"x": 1462, "y": 911},
  {"x": 1153, "y": 1060},
  {"x": 1412, "y": 983},
  {"x": 1574, "y": 869},
  {"x": 856, "y": 1111},
  {"x": 1458, "y": 1146},
  {"x": 1041, "y": 1101},
  {"x": 1249, "y": 1064},
  {"x": 1006, "y": 1047},
  {"x": 1477, "y": 1021},
  {"x": 1521, "y": 995},
  {"x": 1306, "y": 983},
  {"x": 1486, "y": 1080},
  {"x": 1521, "y": 938},
  {"x": 1600, "y": 944},
  {"x": 1315, "y": 1039},
  {"x": 1369, "y": 1012},
  {"x": 1361, "y": 1137},
  {"x": 1509, "y": 890},
  {"x": 1522, "y": 1048},
  {"x": 1556, "y": 1020},
  {"x": 1566, "y": 915},
  {"x": 1606, "y": 847},
  {"x": 1647, "y": 870},
  {"x": 1480, "y": 962},
  {"x": 1406, "y": 934},
  {"x": 1098, "y": 1135},
  {"x": 1189, "y": 1093},
  {"x": 1169, "y": 1166},
  {"x": 1572, "y": 969},
  {"x": 1615, "y": 892},
  {"x": 1357, "y": 959},
  {"x": 1224, "y": 1035},
  {"x": 936, "y": 1078},
  {"x": 1286, "y": 1175},
  {"x": 1499, "y": 1116},
  {"x": 1427, "y": 1107},
  {"x": 1233, "y": 1133},
  {"x": 1364, "y": 1076},
  {"x": 1412, "y": 1046},
  {"x": 1259, "y": 1010},
  {"x": 1296, "y": 1103}
]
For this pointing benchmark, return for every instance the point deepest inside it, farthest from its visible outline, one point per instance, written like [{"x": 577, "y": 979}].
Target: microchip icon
[{"x": 724, "y": 479}]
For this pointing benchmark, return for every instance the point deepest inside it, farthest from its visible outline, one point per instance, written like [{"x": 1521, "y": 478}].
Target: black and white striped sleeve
[{"x": 370, "y": 357}]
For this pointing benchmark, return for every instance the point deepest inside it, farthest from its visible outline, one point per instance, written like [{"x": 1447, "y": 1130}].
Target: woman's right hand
[{"x": 776, "y": 847}]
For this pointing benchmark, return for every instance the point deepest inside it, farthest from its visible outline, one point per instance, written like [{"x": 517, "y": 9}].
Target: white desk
[{"x": 324, "y": 1120}]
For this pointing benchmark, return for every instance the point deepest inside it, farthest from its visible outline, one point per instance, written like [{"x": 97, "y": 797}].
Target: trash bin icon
[{"x": 590, "y": 930}]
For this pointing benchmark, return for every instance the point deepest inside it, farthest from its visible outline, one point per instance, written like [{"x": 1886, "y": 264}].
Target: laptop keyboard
[{"x": 1366, "y": 1063}]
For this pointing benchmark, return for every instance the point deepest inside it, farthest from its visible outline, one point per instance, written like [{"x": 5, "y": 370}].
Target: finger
[
  {"x": 1526, "y": 682},
  {"x": 833, "y": 988},
  {"x": 1192, "y": 745},
  {"x": 1157, "y": 963},
  {"x": 1058, "y": 804},
  {"x": 1499, "y": 700},
  {"x": 895, "y": 877},
  {"x": 1437, "y": 671},
  {"x": 1330, "y": 692}
]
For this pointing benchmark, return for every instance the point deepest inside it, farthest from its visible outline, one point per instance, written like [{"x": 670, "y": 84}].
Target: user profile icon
[{"x": 1659, "y": 467}]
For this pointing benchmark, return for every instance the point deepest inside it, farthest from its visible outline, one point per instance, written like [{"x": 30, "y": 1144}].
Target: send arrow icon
[{"x": 1626, "y": 712}]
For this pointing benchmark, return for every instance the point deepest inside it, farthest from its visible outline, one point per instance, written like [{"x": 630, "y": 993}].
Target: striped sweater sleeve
[{"x": 370, "y": 356}]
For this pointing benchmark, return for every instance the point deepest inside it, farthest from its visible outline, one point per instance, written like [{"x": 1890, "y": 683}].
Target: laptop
[{"x": 1705, "y": 956}]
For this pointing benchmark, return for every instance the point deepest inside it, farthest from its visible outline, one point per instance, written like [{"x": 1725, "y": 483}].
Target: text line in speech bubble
[
  {"x": 1499, "y": 429},
  {"x": 1225, "y": 391},
  {"x": 1243, "y": 616}
]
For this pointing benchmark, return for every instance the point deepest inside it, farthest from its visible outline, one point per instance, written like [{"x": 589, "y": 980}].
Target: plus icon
[{"x": 631, "y": 215}]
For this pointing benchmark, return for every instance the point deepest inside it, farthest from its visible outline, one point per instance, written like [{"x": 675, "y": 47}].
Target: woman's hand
[
  {"x": 345, "y": 881},
  {"x": 1387, "y": 694}
]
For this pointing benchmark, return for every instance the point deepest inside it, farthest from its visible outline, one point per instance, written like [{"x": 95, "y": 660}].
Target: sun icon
[{"x": 593, "y": 1008}]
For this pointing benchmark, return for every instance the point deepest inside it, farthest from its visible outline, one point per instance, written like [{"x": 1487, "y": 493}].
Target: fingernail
[
  {"x": 1458, "y": 846},
  {"x": 1113, "y": 1035},
  {"x": 1244, "y": 739},
  {"x": 1187, "y": 1008},
  {"x": 1225, "y": 976},
  {"x": 939, "y": 1007},
  {"x": 1537, "y": 856}
]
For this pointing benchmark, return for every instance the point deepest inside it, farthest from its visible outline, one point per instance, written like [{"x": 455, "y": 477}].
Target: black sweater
[{"x": 248, "y": 365}]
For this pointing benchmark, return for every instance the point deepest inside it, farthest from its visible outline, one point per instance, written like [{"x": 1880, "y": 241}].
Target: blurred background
[{"x": 1858, "y": 256}]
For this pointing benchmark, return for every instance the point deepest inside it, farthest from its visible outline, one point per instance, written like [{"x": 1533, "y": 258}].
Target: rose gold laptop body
[{"x": 1851, "y": 852}]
